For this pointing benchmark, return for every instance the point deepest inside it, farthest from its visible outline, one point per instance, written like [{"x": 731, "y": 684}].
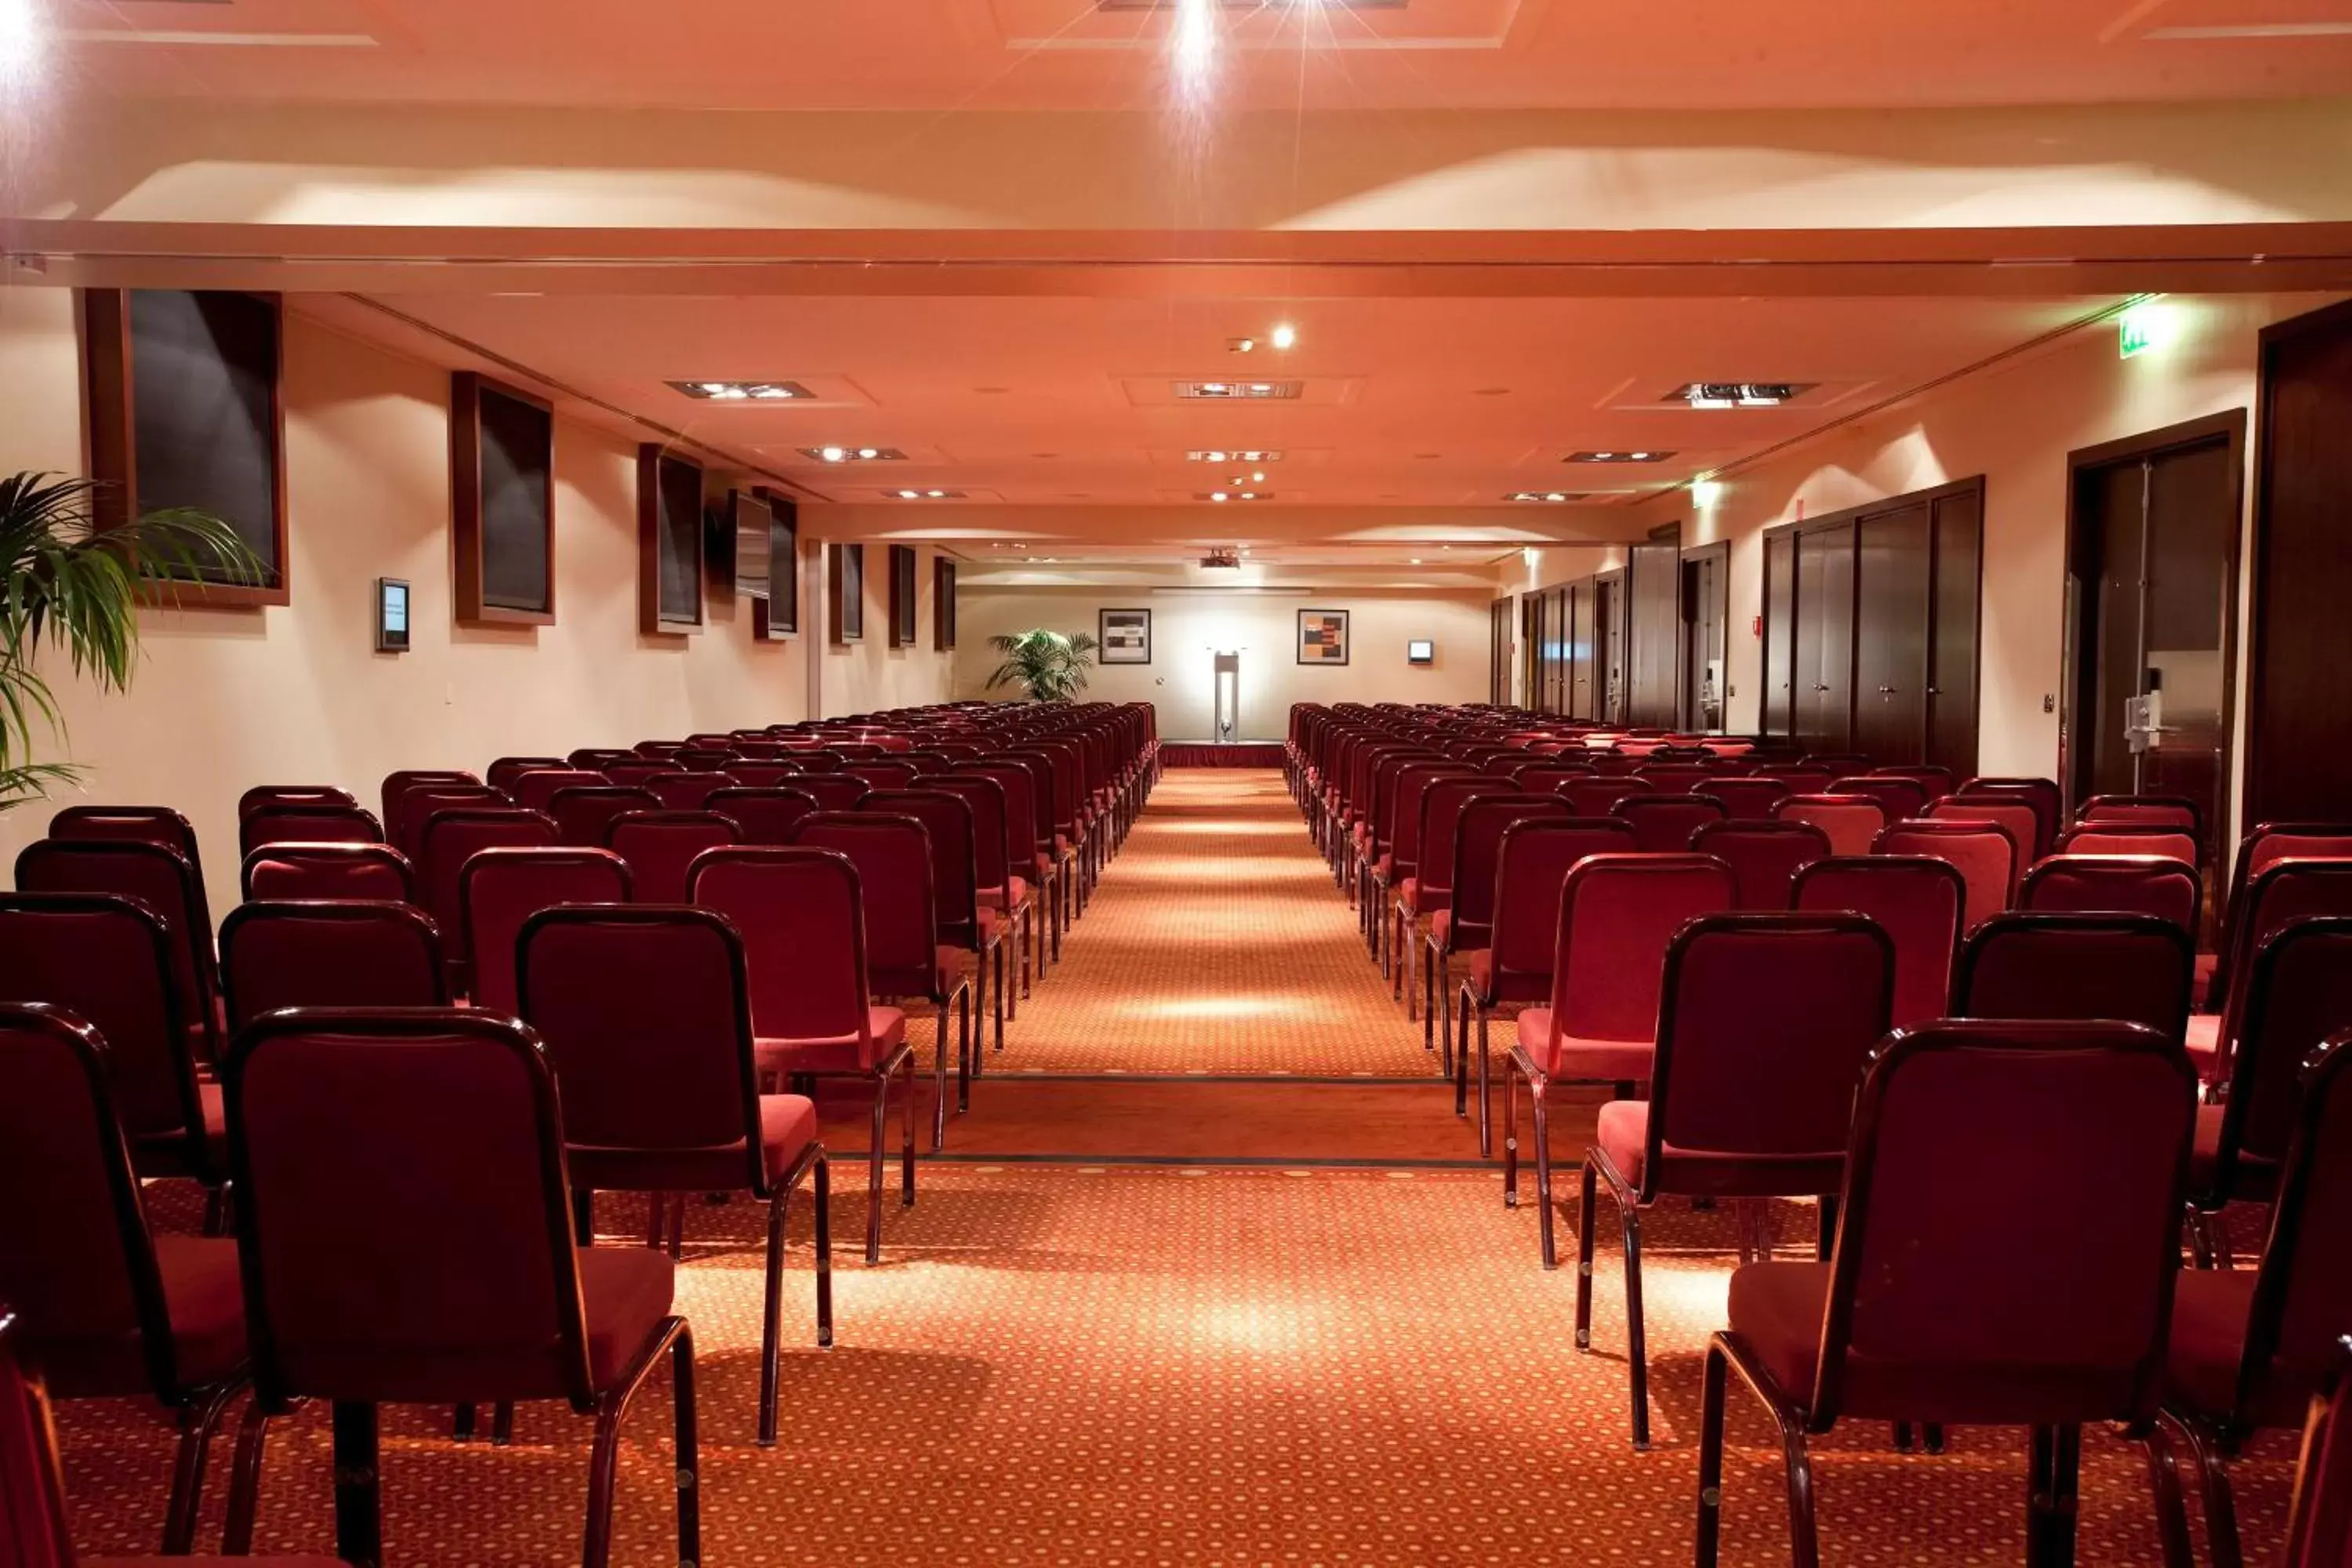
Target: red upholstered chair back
[
  {"x": 281, "y": 872},
  {"x": 893, "y": 857},
  {"x": 1900, "y": 799},
  {"x": 455, "y": 835},
  {"x": 2319, "y": 1526},
  {"x": 647, "y": 1013},
  {"x": 157, "y": 824},
  {"x": 1531, "y": 867},
  {"x": 33, "y": 1529},
  {"x": 1916, "y": 900},
  {"x": 1598, "y": 795},
  {"x": 2039, "y": 1290},
  {"x": 2083, "y": 883},
  {"x": 2143, "y": 811},
  {"x": 659, "y": 847},
  {"x": 2135, "y": 968},
  {"x": 501, "y": 889},
  {"x": 1983, "y": 853},
  {"x": 1935, "y": 781},
  {"x": 1800, "y": 780},
  {"x": 107, "y": 960},
  {"x": 1764, "y": 857},
  {"x": 2298, "y": 995},
  {"x": 399, "y": 788},
  {"x": 633, "y": 774},
  {"x": 834, "y": 792},
  {"x": 1839, "y": 764},
  {"x": 681, "y": 790},
  {"x": 1402, "y": 833},
  {"x": 2012, "y": 814},
  {"x": 2039, "y": 796},
  {"x": 801, "y": 914},
  {"x": 880, "y": 775},
  {"x": 703, "y": 759},
  {"x": 1620, "y": 763},
  {"x": 994, "y": 850},
  {"x": 1851, "y": 822},
  {"x": 1749, "y": 799},
  {"x": 1021, "y": 812},
  {"x": 598, "y": 758},
  {"x": 1477, "y": 851},
  {"x": 503, "y": 773},
  {"x": 762, "y": 815},
  {"x": 463, "y": 1271},
  {"x": 306, "y": 823},
  {"x": 2272, "y": 842},
  {"x": 313, "y": 954},
  {"x": 584, "y": 812},
  {"x": 159, "y": 878},
  {"x": 76, "y": 1263},
  {"x": 749, "y": 775},
  {"x": 1547, "y": 777},
  {"x": 1765, "y": 1025},
  {"x": 955, "y": 882},
  {"x": 1617, "y": 914},
  {"x": 1677, "y": 778},
  {"x": 535, "y": 789},
  {"x": 2283, "y": 892},
  {"x": 2130, "y": 838},
  {"x": 659, "y": 750},
  {"x": 259, "y": 796},
  {"x": 1663, "y": 824},
  {"x": 1440, "y": 815}
]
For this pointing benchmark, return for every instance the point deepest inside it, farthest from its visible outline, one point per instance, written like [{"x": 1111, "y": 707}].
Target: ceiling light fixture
[
  {"x": 853, "y": 454},
  {"x": 1241, "y": 345},
  {"x": 1735, "y": 394},
  {"x": 1284, "y": 336},
  {"x": 1228, "y": 391},
  {"x": 926, "y": 495},
  {"x": 1235, "y": 495},
  {"x": 1641, "y": 456},
  {"x": 1220, "y": 454},
  {"x": 771, "y": 391},
  {"x": 1549, "y": 497}
]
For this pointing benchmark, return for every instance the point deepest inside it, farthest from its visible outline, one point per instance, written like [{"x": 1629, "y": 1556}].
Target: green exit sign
[{"x": 2142, "y": 328}]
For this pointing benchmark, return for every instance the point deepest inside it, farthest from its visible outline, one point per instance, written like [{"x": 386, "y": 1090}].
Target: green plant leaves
[{"x": 1051, "y": 667}]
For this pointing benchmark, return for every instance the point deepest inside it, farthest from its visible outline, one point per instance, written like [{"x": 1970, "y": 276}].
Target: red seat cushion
[
  {"x": 205, "y": 1295},
  {"x": 2205, "y": 1044},
  {"x": 626, "y": 1292},
  {"x": 787, "y": 1126},
  {"x": 1515, "y": 987},
  {"x": 1592, "y": 1061},
  {"x": 2210, "y": 1308},
  {"x": 1622, "y": 1132},
  {"x": 836, "y": 1054}
]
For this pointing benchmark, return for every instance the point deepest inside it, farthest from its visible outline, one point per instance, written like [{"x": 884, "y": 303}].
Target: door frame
[
  {"x": 1686, "y": 695},
  {"x": 2072, "y": 758}
]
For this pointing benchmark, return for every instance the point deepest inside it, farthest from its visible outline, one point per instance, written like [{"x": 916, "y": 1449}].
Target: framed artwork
[
  {"x": 502, "y": 499},
  {"x": 902, "y": 596},
  {"x": 669, "y": 543},
  {"x": 943, "y": 603},
  {"x": 845, "y": 588},
  {"x": 1322, "y": 637},
  {"x": 1125, "y": 636}
]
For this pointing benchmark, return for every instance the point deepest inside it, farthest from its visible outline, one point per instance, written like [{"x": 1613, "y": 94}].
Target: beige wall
[
  {"x": 295, "y": 694},
  {"x": 1185, "y": 627}
]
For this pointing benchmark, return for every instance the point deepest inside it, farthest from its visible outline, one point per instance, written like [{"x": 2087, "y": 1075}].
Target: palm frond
[{"x": 1051, "y": 667}]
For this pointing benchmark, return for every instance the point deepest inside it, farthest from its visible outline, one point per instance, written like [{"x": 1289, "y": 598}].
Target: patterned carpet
[{"x": 1094, "y": 1363}]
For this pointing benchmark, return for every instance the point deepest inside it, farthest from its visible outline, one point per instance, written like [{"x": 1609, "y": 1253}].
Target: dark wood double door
[{"x": 1871, "y": 630}]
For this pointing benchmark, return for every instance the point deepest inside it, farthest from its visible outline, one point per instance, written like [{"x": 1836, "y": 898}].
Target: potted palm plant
[
  {"x": 71, "y": 587},
  {"x": 1051, "y": 667}
]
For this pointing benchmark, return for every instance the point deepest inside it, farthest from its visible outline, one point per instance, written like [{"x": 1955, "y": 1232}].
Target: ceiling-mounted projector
[{"x": 1221, "y": 558}]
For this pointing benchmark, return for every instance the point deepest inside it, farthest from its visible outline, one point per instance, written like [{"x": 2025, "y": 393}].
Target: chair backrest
[
  {"x": 834, "y": 792},
  {"x": 315, "y": 953},
  {"x": 280, "y": 872},
  {"x": 598, "y": 758},
  {"x": 1676, "y": 778},
  {"x": 455, "y": 835},
  {"x": 893, "y": 857},
  {"x": 1749, "y": 799},
  {"x": 108, "y": 961},
  {"x": 1020, "y": 787},
  {"x": 305, "y": 822},
  {"x": 800, "y": 913},
  {"x": 1916, "y": 900},
  {"x": 2041, "y": 1289},
  {"x": 1477, "y": 850},
  {"x": 1547, "y": 776},
  {"x": 880, "y": 775},
  {"x": 2072, "y": 883},
  {"x": 2283, "y": 892},
  {"x": 160, "y": 878},
  {"x": 633, "y": 773},
  {"x": 955, "y": 882},
  {"x": 1440, "y": 815},
  {"x": 1531, "y": 867},
  {"x": 2135, "y": 968},
  {"x": 157, "y": 824},
  {"x": 687, "y": 790},
  {"x": 1402, "y": 832},
  {"x": 2319, "y": 1524},
  {"x": 34, "y": 1529},
  {"x": 1851, "y": 822},
  {"x": 535, "y": 789},
  {"x": 2130, "y": 838},
  {"x": 77, "y": 1262},
  {"x": 647, "y": 1013},
  {"x": 761, "y": 775},
  {"x": 1900, "y": 799},
  {"x": 2298, "y": 995},
  {"x": 659, "y": 847},
  {"x": 400, "y": 787},
  {"x": 259, "y": 796},
  {"x": 1764, "y": 857},
  {"x": 503, "y": 773},
  {"x": 499, "y": 889},
  {"x": 707, "y": 758},
  {"x": 2143, "y": 811},
  {"x": 2266, "y": 843},
  {"x": 584, "y": 812},
  {"x": 1764, "y": 1024},
  {"x": 1598, "y": 795},
  {"x": 763, "y": 816},
  {"x": 994, "y": 853},
  {"x": 2013, "y": 811},
  {"x": 1617, "y": 915},
  {"x": 2042, "y": 795},
  {"x": 468, "y": 1245},
  {"x": 1984, "y": 855},
  {"x": 1663, "y": 824},
  {"x": 1936, "y": 782},
  {"x": 1799, "y": 779}
]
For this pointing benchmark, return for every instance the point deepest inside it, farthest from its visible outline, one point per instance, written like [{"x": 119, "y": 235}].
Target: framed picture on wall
[
  {"x": 1322, "y": 637},
  {"x": 1125, "y": 635},
  {"x": 846, "y": 591}
]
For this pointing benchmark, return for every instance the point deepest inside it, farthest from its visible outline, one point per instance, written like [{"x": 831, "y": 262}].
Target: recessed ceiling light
[
  {"x": 1735, "y": 393},
  {"x": 853, "y": 454},
  {"x": 1228, "y": 391},
  {"x": 774, "y": 391},
  {"x": 1550, "y": 498},
  {"x": 1220, "y": 454},
  {"x": 1241, "y": 345},
  {"x": 1234, "y": 495},
  {"x": 1645, "y": 455},
  {"x": 925, "y": 495},
  {"x": 1284, "y": 336}
]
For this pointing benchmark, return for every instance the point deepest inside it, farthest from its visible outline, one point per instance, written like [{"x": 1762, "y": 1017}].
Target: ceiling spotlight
[
  {"x": 1232, "y": 389},
  {"x": 853, "y": 455},
  {"x": 1735, "y": 393},
  {"x": 935, "y": 495},
  {"x": 1241, "y": 345},
  {"x": 1210, "y": 456},
  {"x": 1258, "y": 476},
  {"x": 732, "y": 391},
  {"x": 869, "y": 453},
  {"x": 1220, "y": 454},
  {"x": 1217, "y": 495},
  {"x": 910, "y": 495},
  {"x": 1642, "y": 457},
  {"x": 1414, "y": 561},
  {"x": 1284, "y": 336},
  {"x": 831, "y": 454}
]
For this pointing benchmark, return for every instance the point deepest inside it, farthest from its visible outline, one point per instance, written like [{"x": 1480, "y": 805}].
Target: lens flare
[{"x": 1192, "y": 49}]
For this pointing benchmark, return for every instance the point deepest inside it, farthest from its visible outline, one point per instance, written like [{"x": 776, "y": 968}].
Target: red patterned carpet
[{"x": 1088, "y": 1360}]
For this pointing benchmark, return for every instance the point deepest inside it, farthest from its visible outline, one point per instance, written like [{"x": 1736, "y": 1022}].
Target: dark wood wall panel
[
  {"x": 1778, "y": 712},
  {"x": 669, "y": 543},
  {"x": 501, "y": 502},
  {"x": 1655, "y": 632},
  {"x": 1955, "y": 650}
]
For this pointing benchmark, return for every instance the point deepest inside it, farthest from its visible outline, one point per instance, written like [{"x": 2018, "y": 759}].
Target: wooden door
[
  {"x": 1824, "y": 641},
  {"x": 1706, "y": 648},
  {"x": 1890, "y": 724},
  {"x": 1609, "y": 647},
  {"x": 1654, "y": 637},
  {"x": 1579, "y": 649},
  {"x": 1955, "y": 631},
  {"x": 1779, "y": 704}
]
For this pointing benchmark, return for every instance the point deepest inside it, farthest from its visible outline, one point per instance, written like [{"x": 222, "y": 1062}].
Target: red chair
[
  {"x": 659, "y": 750},
  {"x": 1598, "y": 797},
  {"x": 1851, "y": 822},
  {"x": 834, "y": 792},
  {"x": 282, "y": 871},
  {"x": 1764, "y": 1027},
  {"x": 397, "y": 789},
  {"x": 259, "y": 796},
  {"x": 2176, "y": 810},
  {"x": 703, "y": 759},
  {"x": 585, "y": 811},
  {"x": 764, "y": 816},
  {"x": 2251, "y": 1348},
  {"x": 660, "y": 847},
  {"x": 1839, "y": 764},
  {"x": 2039, "y": 796},
  {"x": 1549, "y": 773},
  {"x": 749, "y": 775},
  {"x": 1005, "y": 899},
  {"x": 879, "y": 774},
  {"x": 2069, "y": 883},
  {"x": 1937, "y": 782},
  {"x": 2319, "y": 1524},
  {"x": 633, "y": 773},
  {"x": 503, "y": 773},
  {"x": 105, "y": 1306},
  {"x": 2283, "y": 892},
  {"x": 2134, "y": 968},
  {"x": 964, "y": 922},
  {"x": 168, "y": 885},
  {"x": 1028, "y": 832},
  {"x": 500, "y": 890},
  {"x": 1800, "y": 780},
  {"x": 1663, "y": 824},
  {"x": 321, "y": 955},
  {"x": 1467, "y": 924},
  {"x": 1749, "y": 799},
  {"x": 1617, "y": 914},
  {"x": 2268, "y": 843},
  {"x": 1984, "y": 855},
  {"x": 596, "y": 759},
  {"x": 1899, "y": 797},
  {"x": 450, "y": 838},
  {"x": 687, "y": 790},
  {"x": 1764, "y": 858},
  {"x": 465, "y": 1280},
  {"x": 306, "y": 823},
  {"x": 1916, "y": 900},
  {"x": 108, "y": 961},
  {"x": 2130, "y": 838},
  {"x": 800, "y": 913},
  {"x": 156, "y": 825},
  {"x": 535, "y": 790},
  {"x": 1400, "y": 863},
  {"x": 1677, "y": 778},
  {"x": 2036, "y": 1294},
  {"x": 1429, "y": 889},
  {"x": 647, "y": 1013}
]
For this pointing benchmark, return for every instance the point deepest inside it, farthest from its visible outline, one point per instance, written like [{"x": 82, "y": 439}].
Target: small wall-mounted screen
[
  {"x": 1421, "y": 650},
  {"x": 391, "y": 615}
]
